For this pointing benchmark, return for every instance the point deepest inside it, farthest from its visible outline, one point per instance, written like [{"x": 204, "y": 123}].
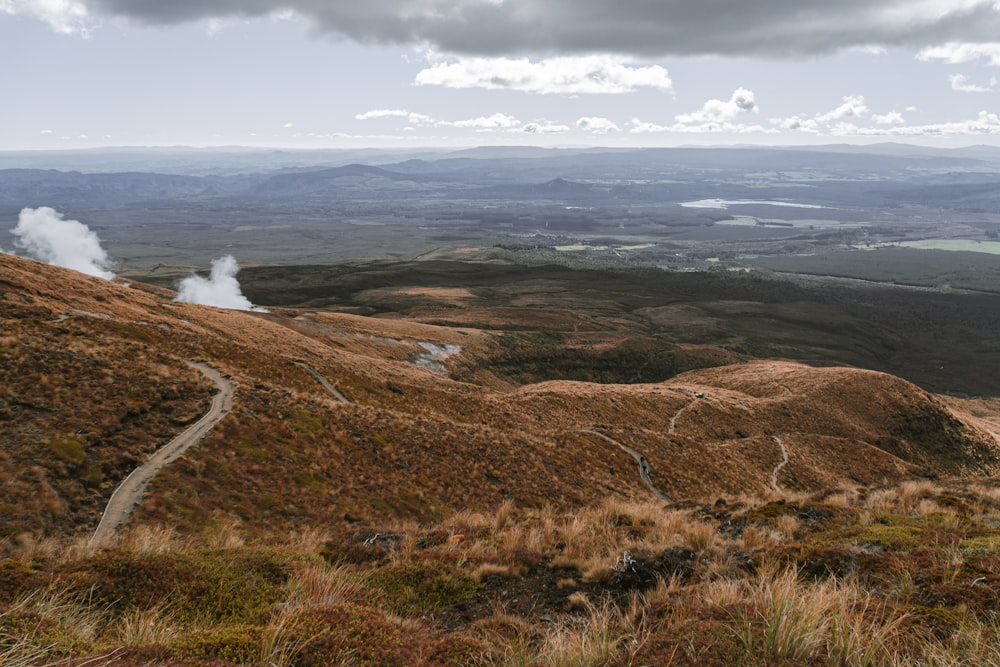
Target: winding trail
[
  {"x": 126, "y": 497},
  {"x": 777, "y": 468},
  {"x": 673, "y": 420},
  {"x": 323, "y": 381},
  {"x": 644, "y": 467}
]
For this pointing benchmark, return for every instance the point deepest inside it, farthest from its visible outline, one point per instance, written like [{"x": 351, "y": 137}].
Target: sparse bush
[{"x": 417, "y": 590}]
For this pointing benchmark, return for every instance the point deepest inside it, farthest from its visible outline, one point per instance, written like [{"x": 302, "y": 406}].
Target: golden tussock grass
[{"x": 841, "y": 583}]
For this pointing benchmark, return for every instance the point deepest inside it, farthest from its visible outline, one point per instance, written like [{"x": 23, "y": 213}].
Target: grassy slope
[
  {"x": 413, "y": 444},
  {"x": 904, "y": 575}
]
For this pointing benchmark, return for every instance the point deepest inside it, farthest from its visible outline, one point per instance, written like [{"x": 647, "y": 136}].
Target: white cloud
[
  {"x": 985, "y": 123},
  {"x": 961, "y": 83},
  {"x": 713, "y": 116},
  {"x": 494, "y": 122},
  {"x": 853, "y": 107},
  {"x": 596, "y": 74},
  {"x": 717, "y": 111},
  {"x": 544, "y": 127},
  {"x": 46, "y": 236},
  {"x": 411, "y": 117},
  {"x": 220, "y": 289},
  {"x": 45, "y": 132},
  {"x": 841, "y": 120},
  {"x": 288, "y": 125},
  {"x": 498, "y": 121},
  {"x": 891, "y": 118},
  {"x": 66, "y": 17},
  {"x": 956, "y": 53},
  {"x": 597, "y": 125},
  {"x": 645, "y": 127},
  {"x": 798, "y": 124},
  {"x": 703, "y": 125}
]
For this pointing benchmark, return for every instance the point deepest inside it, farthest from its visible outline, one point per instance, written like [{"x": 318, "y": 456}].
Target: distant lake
[{"x": 726, "y": 203}]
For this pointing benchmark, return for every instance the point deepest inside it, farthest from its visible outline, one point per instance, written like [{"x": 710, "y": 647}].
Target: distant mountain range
[{"x": 560, "y": 175}]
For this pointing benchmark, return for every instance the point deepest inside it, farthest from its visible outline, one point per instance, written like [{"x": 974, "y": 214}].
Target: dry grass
[
  {"x": 852, "y": 582},
  {"x": 223, "y": 533},
  {"x": 148, "y": 627},
  {"x": 319, "y": 584},
  {"x": 490, "y": 570},
  {"x": 153, "y": 539}
]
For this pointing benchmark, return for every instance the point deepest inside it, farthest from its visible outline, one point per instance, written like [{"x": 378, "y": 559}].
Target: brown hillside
[{"x": 93, "y": 379}]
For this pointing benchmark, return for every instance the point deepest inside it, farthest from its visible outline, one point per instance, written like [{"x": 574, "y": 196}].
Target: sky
[{"x": 440, "y": 73}]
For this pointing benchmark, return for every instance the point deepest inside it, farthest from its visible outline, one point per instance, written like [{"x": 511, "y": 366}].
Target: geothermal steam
[
  {"x": 44, "y": 235},
  {"x": 220, "y": 289}
]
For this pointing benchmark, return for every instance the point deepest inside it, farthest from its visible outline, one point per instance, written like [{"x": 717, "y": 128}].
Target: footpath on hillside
[{"x": 126, "y": 497}]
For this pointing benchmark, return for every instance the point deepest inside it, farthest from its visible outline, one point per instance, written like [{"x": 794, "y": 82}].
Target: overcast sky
[{"x": 351, "y": 73}]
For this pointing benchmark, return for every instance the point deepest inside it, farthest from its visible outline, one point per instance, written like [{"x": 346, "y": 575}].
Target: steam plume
[
  {"x": 46, "y": 236},
  {"x": 220, "y": 289}
]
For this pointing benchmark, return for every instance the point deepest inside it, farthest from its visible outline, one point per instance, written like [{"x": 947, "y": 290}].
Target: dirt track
[
  {"x": 126, "y": 497},
  {"x": 777, "y": 468},
  {"x": 644, "y": 467},
  {"x": 323, "y": 381}
]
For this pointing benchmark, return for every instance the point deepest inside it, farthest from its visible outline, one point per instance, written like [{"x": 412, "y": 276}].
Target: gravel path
[
  {"x": 323, "y": 381},
  {"x": 126, "y": 497},
  {"x": 644, "y": 468},
  {"x": 777, "y": 468}
]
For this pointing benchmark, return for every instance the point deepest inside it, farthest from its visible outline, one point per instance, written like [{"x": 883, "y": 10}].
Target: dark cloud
[{"x": 772, "y": 28}]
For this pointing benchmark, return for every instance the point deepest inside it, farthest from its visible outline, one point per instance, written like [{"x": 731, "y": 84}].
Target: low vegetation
[{"x": 905, "y": 575}]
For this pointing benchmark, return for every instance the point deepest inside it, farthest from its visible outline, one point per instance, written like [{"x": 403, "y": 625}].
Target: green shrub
[
  {"x": 418, "y": 590},
  {"x": 68, "y": 448},
  {"x": 239, "y": 644},
  {"x": 211, "y": 586},
  {"x": 352, "y": 634}
]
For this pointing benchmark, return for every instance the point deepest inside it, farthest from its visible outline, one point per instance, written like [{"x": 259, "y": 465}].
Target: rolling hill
[{"x": 94, "y": 378}]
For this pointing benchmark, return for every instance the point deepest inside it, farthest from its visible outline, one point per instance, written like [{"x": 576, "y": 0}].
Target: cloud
[
  {"x": 841, "y": 119},
  {"x": 66, "y": 17},
  {"x": 220, "y": 289},
  {"x": 45, "y": 235},
  {"x": 498, "y": 121},
  {"x": 956, "y": 53},
  {"x": 775, "y": 28},
  {"x": 798, "y": 124},
  {"x": 597, "y": 125},
  {"x": 413, "y": 118},
  {"x": 853, "y": 107},
  {"x": 45, "y": 132},
  {"x": 598, "y": 74},
  {"x": 961, "y": 83},
  {"x": 493, "y": 122},
  {"x": 288, "y": 125},
  {"x": 713, "y": 116},
  {"x": 717, "y": 111},
  {"x": 891, "y": 118},
  {"x": 543, "y": 128},
  {"x": 985, "y": 123}
]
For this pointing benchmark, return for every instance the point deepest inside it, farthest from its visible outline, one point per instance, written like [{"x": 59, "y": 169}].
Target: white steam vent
[
  {"x": 45, "y": 235},
  {"x": 220, "y": 289}
]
